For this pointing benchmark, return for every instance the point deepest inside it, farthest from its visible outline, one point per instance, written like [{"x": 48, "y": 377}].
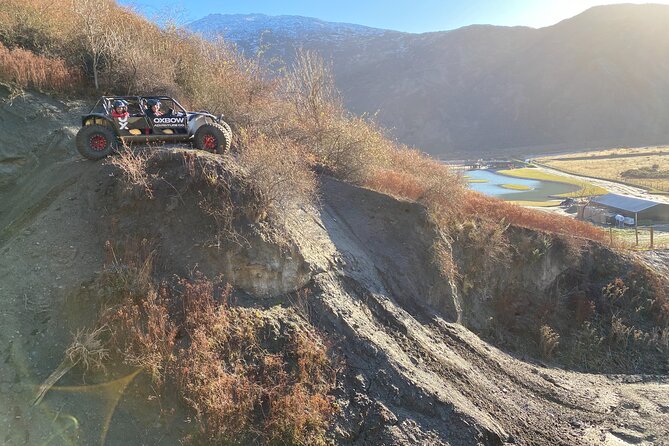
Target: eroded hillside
[{"x": 421, "y": 354}]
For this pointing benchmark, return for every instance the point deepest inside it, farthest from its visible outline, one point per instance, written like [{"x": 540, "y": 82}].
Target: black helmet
[
  {"x": 152, "y": 102},
  {"x": 120, "y": 103}
]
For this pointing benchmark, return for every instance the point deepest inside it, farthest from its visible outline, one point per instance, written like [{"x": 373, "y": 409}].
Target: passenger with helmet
[
  {"x": 120, "y": 109},
  {"x": 153, "y": 109}
]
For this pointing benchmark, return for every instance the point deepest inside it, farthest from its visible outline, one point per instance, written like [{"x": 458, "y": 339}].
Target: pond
[{"x": 491, "y": 183}]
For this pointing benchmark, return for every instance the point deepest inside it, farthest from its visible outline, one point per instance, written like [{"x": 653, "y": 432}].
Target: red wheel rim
[
  {"x": 209, "y": 142},
  {"x": 98, "y": 142}
]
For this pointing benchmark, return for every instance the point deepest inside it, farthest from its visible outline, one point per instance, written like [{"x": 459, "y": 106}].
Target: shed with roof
[{"x": 643, "y": 211}]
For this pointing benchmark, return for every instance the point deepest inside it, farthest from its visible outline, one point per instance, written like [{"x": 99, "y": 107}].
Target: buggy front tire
[
  {"x": 96, "y": 141},
  {"x": 213, "y": 138}
]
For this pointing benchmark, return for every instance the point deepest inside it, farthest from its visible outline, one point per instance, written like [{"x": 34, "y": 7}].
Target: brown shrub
[
  {"x": 35, "y": 25},
  {"x": 144, "y": 333},
  {"x": 260, "y": 188},
  {"x": 278, "y": 174},
  {"x": 481, "y": 206},
  {"x": 28, "y": 70},
  {"x": 247, "y": 381},
  {"x": 349, "y": 147},
  {"x": 582, "y": 308},
  {"x": 310, "y": 89},
  {"x": 399, "y": 184},
  {"x": 244, "y": 390}
]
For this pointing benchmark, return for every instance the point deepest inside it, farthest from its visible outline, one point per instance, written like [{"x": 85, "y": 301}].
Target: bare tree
[
  {"x": 310, "y": 87},
  {"x": 94, "y": 17}
]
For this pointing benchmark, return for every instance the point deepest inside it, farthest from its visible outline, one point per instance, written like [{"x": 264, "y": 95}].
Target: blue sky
[{"x": 401, "y": 15}]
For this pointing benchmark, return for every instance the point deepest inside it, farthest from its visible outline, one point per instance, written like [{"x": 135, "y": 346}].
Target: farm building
[{"x": 642, "y": 211}]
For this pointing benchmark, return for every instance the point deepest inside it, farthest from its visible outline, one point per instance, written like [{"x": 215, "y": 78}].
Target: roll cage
[{"x": 104, "y": 104}]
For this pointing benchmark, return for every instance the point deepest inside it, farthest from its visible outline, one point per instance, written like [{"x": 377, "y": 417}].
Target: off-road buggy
[{"x": 101, "y": 131}]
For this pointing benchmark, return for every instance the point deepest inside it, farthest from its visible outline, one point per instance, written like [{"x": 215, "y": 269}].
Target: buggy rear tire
[
  {"x": 96, "y": 141},
  {"x": 213, "y": 138}
]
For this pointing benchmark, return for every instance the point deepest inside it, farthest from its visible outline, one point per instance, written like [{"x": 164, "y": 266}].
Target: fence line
[{"x": 639, "y": 237}]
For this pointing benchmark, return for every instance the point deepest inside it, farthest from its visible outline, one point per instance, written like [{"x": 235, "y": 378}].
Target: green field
[{"x": 515, "y": 186}]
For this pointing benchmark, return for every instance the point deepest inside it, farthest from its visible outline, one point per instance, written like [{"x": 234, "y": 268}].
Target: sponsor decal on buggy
[
  {"x": 169, "y": 121},
  {"x": 123, "y": 123}
]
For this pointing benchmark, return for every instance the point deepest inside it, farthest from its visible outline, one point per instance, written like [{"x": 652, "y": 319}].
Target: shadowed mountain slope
[{"x": 597, "y": 79}]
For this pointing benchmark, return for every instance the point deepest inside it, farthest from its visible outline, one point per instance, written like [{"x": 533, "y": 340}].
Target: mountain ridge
[{"x": 596, "y": 79}]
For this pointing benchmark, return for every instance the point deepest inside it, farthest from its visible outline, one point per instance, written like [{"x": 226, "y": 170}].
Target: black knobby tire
[
  {"x": 212, "y": 137},
  {"x": 96, "y": 141},
  {"x": 227, "y": 127}
]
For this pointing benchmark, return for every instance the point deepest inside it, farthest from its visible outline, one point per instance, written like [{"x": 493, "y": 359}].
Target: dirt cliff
[{"x": 427, "y": 357}]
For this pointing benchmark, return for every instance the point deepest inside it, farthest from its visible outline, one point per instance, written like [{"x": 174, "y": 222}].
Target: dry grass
[
  {"x": 143, "y": 332},
  {"x": 537, "y": 204},
  {"x": 137, "y": 314},
  {"x": 259, "y": 189},
  {"x": 625, "y": 329},
  {"x": 278, "y": 173},
  {"x": 613, "y": 164},
  {"x": 128, "y": 270},
  {"x": 627, "y": 238},
  {"x": 132, "y": 164},
  {"x": 515, "y": 186},
  {"x": 399, "y": 184},
  {"x": 87, "y": 349},
  {"x": 549, "y": 340}
]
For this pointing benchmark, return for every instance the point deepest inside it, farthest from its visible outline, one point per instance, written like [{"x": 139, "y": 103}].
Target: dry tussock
[
  {"x": 87, "y": 348},
  {"x": 128, "y": 270}
]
